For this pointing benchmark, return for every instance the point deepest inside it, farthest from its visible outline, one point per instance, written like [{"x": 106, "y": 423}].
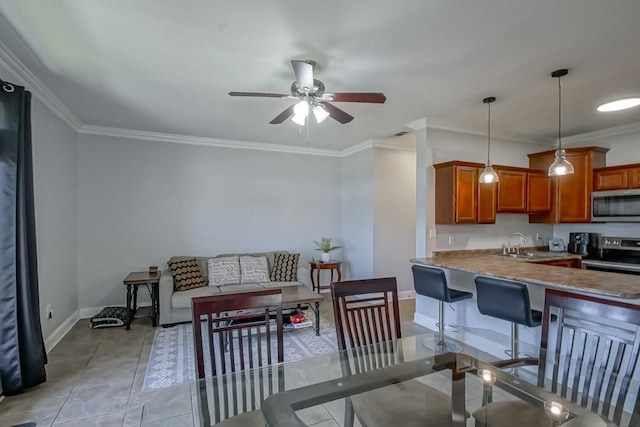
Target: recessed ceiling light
[{"x": 621, "y": 104}]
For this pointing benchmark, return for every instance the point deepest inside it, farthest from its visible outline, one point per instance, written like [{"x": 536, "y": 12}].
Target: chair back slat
[
  {"x": 235, "y": 326},
  {"x": 367, "y": 322},
  {"x": 595, "y": 354}
]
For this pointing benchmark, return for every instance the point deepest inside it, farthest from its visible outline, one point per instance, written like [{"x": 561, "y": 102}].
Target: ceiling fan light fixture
[
  {"x": 299, "y": 119},
  {"x": 620, "y": 104},
  {"x": 301, "y": 108},
  {"x": 320, "y": 113},
  {"x": 488, "y": 175}
]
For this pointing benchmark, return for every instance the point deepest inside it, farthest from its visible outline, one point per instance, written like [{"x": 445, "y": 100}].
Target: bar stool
[
  {"x": 507, "y": 300},
  {"x": 432, "y": 282}
]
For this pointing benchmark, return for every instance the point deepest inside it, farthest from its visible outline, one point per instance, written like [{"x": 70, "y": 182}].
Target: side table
[
  {"x": 151, "y": 281},
  {"x": 317, "y": 266}
]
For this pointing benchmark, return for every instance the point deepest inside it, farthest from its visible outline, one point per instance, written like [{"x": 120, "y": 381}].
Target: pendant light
[
  {"x": 488, "y": 175},
  {"x": 560, "y": 166}
]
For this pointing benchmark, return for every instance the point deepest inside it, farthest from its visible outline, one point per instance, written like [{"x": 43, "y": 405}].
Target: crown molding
[
  {"x": 503, "y": 137},
  {"x": 204, "y": 141},
  {"x": 418, "y": 124},
  {"x": 24, "y": 77},
  {"x": 365, "y": 145},
  {"x": 603, "y": 133}
]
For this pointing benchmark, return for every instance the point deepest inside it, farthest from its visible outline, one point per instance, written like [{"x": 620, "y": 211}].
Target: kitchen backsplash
[
  {"x": 480, "y": 236},
  {"x": 614, "y": 229}
]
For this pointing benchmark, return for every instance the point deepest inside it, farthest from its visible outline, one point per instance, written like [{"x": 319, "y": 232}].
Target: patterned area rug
[{"x": 172, "y": 359}]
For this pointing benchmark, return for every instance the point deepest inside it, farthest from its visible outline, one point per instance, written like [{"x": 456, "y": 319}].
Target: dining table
[{"x": 313, "y": 391}]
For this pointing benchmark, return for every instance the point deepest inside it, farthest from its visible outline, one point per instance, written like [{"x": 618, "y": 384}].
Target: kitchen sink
[{"x": 534, "y": 255}]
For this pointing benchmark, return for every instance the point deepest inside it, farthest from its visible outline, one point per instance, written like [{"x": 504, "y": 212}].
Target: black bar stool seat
[
  {"x": 507, "y": 300},
  {"x": 432, "y": 282}
]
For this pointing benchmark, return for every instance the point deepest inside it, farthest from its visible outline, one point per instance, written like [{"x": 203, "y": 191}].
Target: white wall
[
  {"x": 394, "y": 207},
  {"x": 357, "y": 214},
  {"x": 448, "y": 146},
  {"x": 141, "y": 202},
  {"x": 55, "y": 182}
]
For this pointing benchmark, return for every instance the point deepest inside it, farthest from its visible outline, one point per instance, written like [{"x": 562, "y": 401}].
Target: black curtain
[{"x": 22, "y": 352}]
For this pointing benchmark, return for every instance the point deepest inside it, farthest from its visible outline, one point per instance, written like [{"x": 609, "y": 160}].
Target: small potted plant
[{"x": 325, "y": 247}]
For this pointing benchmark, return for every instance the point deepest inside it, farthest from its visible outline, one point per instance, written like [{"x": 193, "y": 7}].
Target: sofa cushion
[
  {"x": 269, "y": 255},
  {"x": 224, "y": 271},
  {"x": 285, "y": 267},
  {"x": 186, "y": 274},
  {"x": 277, "y": 285},
  {"x": 182, "y": 299},
  {"x": 253, "y": 269},
  {"x": 247, "y": 287},
  {"x": 201, "y": 260}
]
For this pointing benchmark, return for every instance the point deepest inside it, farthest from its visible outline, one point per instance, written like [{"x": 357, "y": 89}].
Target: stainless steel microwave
[{"x": 615, "y": 206}]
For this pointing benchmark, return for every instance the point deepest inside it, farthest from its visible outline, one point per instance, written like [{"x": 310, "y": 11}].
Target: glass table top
[{"x": 401, "y": 383}]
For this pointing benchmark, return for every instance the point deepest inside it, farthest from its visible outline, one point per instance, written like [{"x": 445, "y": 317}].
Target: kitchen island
[
  {"x": 610, "y": 285},
  {"x": 463, "y": 319}
]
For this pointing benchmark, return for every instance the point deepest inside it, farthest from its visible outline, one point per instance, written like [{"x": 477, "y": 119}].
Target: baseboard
[
  {"x": 406, "y": 294},
  {"x": 89, "y": 312},
  {"x": 54, "y": 338}
]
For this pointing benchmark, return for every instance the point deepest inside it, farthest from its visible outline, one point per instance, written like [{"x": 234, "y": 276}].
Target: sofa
[{"x": 175, "y": 306}]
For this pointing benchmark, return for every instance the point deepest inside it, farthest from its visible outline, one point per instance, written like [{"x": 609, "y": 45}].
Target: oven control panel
[{"x": 620, "y": 243}]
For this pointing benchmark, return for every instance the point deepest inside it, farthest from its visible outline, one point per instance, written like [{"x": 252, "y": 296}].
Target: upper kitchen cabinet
[
  {"x": 487, "y": 201},
  {"x": 512, "y": 190},
  {"x": 538, "y": 192},
  {"x": 456, "y": 193},
  {"x": 616, "y": 177},
  {"x": 570, "y": 194}
]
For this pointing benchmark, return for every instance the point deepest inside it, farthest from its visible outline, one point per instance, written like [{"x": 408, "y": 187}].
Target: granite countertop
[{"x": 625, "y": 286}]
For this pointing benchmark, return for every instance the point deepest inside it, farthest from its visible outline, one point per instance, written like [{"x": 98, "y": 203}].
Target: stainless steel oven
[
  {"x": 616, "y": 255},
  {"x": 615, "y": 206}
]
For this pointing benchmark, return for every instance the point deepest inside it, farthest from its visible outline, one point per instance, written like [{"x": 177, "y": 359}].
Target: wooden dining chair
[
  {"x": 367, "y": 322},
  {"x": 235, "y": 331},
  {"x": 588, "y": 355}
]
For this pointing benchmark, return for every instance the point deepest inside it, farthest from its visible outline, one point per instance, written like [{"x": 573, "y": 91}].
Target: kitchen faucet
[{"x": 523, "y": 239}]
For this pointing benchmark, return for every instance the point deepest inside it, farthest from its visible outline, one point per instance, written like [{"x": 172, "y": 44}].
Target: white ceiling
[{"x": 167, "y": 66}]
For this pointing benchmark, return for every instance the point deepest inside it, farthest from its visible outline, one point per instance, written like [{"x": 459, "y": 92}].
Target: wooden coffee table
[{"x": 294, "y": 296}]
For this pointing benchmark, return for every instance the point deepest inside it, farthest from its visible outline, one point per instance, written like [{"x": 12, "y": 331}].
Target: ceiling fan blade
[
  {"x": 283, "y": 116},
  {"x": 259, "y": 94},
  {"x": 370, "y": 97},
  {"x": 336, "y": 113},
  {"x": 304, "y": 74}
]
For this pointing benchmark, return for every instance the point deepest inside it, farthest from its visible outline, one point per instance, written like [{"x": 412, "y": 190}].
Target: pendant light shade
[
  {"x": 560, "y": 166},
  {"x": 488, "y": 175}
]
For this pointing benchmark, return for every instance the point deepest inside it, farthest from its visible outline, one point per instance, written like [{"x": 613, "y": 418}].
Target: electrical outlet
[
  {"x": 450, "y": 240},
  {"x": 432, "y": 233},
  {"x": 537, "y": 236},
  {"x": 49, "y": 311}
]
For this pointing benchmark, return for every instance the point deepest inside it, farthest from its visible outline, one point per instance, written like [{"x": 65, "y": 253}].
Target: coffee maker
[{"x": 583, "y": 243}]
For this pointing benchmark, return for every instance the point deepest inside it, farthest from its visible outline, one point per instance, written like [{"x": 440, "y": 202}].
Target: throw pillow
[
  {"x": 254, "y": 269},
  {"x": 285, "y": 267},
  {"x": 224, "y": 271},
  {"x": 186, "y": 274}
]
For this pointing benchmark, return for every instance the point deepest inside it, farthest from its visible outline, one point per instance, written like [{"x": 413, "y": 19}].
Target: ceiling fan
[{"x": 313, "y": 98}]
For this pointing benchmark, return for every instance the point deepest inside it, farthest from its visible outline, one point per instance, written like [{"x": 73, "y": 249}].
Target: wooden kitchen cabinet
[
  {"x": 487, "y": 201},
  {"x": 571, "y": 263},
  {"x": 634, "y": 177},
  {"x": 456, "y": 193},
  {"x": 570, "y": 194},
  {"x": 620, "y": 177},
  {"x": 538, "y": 192},
  {"x": 610, "y": 179},
  {"x": 512, "y": 191}
]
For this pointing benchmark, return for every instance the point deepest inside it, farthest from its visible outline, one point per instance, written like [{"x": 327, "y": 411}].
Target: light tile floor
[{"x": 94, "y": 377}]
